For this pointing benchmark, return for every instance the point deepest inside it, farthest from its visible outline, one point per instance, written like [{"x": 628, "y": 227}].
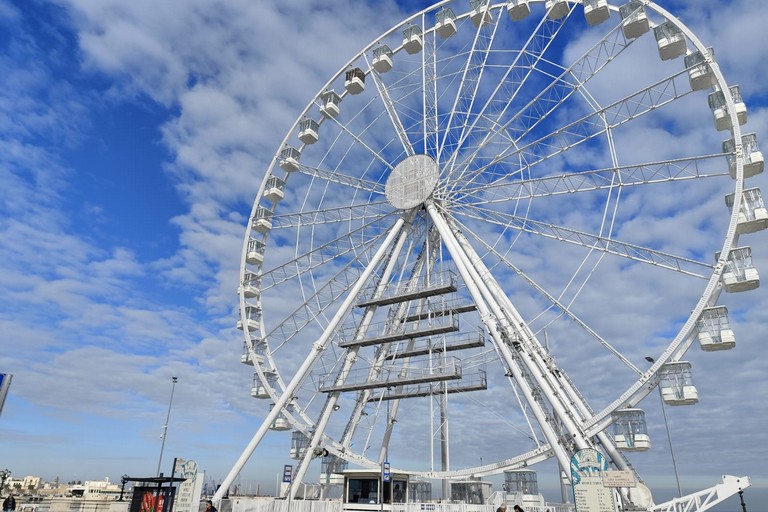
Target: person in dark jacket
[{"x": 9, "y": 504}]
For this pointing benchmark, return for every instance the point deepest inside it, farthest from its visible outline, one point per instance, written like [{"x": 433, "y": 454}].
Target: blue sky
[{"x": 133, "y": 140}]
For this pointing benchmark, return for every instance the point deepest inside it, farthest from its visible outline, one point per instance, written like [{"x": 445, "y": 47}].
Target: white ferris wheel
[{"x": 489, "y": 209}]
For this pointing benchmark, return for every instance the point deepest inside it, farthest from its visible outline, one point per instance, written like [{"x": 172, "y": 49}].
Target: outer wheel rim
[{"x": 635, "y": 392}]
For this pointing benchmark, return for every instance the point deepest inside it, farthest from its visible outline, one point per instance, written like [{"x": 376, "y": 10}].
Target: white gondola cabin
[
  {"x": 382, "y": 58},
  {"x": 556, "y": 9},
  {"x": 634, "y": 18},
  {"x": 259, "y": 349},
  {"x": 331, "y": 469},
  {"x": 518, "y": 9},
  {"x": 676, "y": 384},
  {"x": 445, "y": 22},
  {"x": 524, "y": 481},
  {"x": 480, "y": 13},
  {"x": 630, "y": 431},
  {"x": 596, "y": 11},
  {"x": 472, "y": 491},
  {"x": 274, "y": 189},
  {"x": 670, "y": 40},
  {"x": 354, "y": 82},
  {"x": 252, "y": 318},
  {"x": 715, "y": 331},
  {"x": 246, "y": 357},
  {"x": 739, "y": 275},
  {"x": 261, "y": 391},
  {"x": 700, "y": 74},
  {"x": 262, "y": 220},
  {"x": 281, "y": 422},
  {"x": 719, "y": 108},
  {"x": 299, "y": 445},
  {"x": 251, "y": 286},
  {"x": 754, "y": 163},
  {"x": 308, "y": 129},
  {"x": 412, "y": 42},
  {"x": 254, "y": 255},
  {"x": 753, "y": 216},
  {"x": 330, "y": 106},
  {"x": 289, "y": 159}
]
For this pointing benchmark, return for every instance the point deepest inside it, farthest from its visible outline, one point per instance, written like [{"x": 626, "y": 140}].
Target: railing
[
  {"x": 272, "y": 505},
  {"x": 268, "y": 504}
]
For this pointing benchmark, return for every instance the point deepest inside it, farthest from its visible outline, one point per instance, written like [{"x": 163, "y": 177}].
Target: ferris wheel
[{"x": 482, "y": 226}]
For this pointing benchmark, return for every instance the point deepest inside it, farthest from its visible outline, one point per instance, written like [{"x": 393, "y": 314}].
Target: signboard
[
  {"x": 590, "y": 495},
  {"x": 191, "y": 489},
  {"x": 5, "y": 383},
  {"x": 624, "y": 478},
  {"x": 385, "y": 474},
  {"x": 287, "y": 473}
]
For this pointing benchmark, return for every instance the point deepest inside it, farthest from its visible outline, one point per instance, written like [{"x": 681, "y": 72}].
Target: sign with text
[
  {"x": 287, "y": 473},
  {"x": 624, "y": 478},
  {"x": 590, "y": 495},
  {"x": 191, "y": 489}
]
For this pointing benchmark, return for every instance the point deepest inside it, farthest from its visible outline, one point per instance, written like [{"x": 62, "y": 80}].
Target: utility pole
[{"x": 165, "y": 427}]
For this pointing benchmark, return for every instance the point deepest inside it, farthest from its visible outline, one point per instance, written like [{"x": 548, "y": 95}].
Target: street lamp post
[
  {"x": 165, "y": 427},
  {"x": 4, "y": 474},
  {"x": 669, "y": 437},
  {"x": 123, "y": 480}
]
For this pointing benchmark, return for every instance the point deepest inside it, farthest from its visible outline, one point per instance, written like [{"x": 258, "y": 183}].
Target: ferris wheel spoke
[
  {"x": 341, "y": 179},
  {"x": 356, "y": 135},
  {"x": 337, "y": 248},
  {"x": 354, "y": 213},
  {"x": 563, "y": 138},
  {"x": 325, "y": 295},
  {"x": 505, "y": 90},
  {"x": 561, "y": 87},
  {"x": 562, "y": 308},
  {"x": 471, "y": 76},
  {"x": 389, "y": 107},
  {"x": 605, "y": 244},
  {"x": 504, "y": 190}
]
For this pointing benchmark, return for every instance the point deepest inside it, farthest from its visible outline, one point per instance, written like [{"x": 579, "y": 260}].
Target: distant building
[
  {"x": 96, "y": 490},
  {"x": 24, "y": 485}
]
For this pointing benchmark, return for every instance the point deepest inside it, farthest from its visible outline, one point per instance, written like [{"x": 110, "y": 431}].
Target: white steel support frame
[
  {"x": 570, "y": 399},
  {"x": 318, "y": 346},
  {"x": 495, "y": 322},
  {"x": 349, "y": 360}
]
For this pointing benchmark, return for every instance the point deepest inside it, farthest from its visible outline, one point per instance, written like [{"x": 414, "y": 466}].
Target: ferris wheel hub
[{"x": 412, "y": 181}]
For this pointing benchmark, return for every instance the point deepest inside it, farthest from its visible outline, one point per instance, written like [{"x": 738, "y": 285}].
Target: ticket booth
[{"x": 365, "y": 490}]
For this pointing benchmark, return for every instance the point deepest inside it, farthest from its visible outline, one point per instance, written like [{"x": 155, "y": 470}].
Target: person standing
[
  {"x": 502, "y": 508},
  {"x": 209, "y": 506},
  {"x": 9, "y": 503}
]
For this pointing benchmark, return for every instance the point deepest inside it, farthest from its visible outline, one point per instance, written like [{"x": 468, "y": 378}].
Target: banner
[{"x": 152, "y": 499}]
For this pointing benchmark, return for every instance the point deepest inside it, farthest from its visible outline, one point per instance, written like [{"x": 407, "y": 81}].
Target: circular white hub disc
[{"x": 412, "y": 181}]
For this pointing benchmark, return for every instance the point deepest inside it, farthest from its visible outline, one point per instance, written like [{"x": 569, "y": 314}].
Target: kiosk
[{"x": 365, "y": 490}]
